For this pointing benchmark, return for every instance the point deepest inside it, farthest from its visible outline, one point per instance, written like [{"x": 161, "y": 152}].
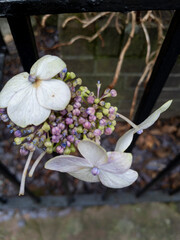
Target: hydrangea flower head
[{"x": 29, "y": 98}]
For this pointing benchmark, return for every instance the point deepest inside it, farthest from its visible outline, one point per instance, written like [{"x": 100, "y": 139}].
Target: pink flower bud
[
  {"x": 113, "y": 93},
  {"x": 55, "y": 131},
  {"x": 97, "y": 132},
  {"x": 102, "y": 122},
  {"x": 70, "y": 138},
  {"x": 76, "y": 112},
  {"x": 81, "y": 120},
  {"x": 108, "y": 131},
  {"x": 111, "y": 110},
  {"x": 69, "y": 121},
  {"x": 59, "y": 149},
  {"x": 92, "y": 118},
  {"x": 87, "y": 125},
  {"x": 90, "y": 111},
  {"x": 90, "y": 99},
  {"x": 77, "y": 105},
  {"x": 61, "y": 126}
]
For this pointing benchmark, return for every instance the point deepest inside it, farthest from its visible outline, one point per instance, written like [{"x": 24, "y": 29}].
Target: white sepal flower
[
  {"x": 30, "y": 98},
  {"x": 109, "y": 168},
  {"x": 124, "y": 141}
]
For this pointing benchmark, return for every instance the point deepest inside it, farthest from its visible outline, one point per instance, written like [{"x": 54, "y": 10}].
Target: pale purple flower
[{"x": 112, "y": 169}]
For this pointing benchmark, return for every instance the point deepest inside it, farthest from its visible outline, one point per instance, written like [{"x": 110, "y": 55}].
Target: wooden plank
[{"x": 36, "y": 7}]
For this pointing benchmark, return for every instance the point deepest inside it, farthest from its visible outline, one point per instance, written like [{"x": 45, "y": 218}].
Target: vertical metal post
[
  {"x": 3, "y": 51},
  {"x": 23, "y": 35},
  {"x": 162, "y": 68}
]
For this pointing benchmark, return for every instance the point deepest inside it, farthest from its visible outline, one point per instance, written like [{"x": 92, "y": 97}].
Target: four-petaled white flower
[
  {"x": 30, "y": 98},
  {"x": 109, "y": 168},
  {"x": 124, "y": 141}
]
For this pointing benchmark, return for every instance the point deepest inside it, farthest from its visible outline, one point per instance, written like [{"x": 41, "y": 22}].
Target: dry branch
[{"x": 124, "y": 50}]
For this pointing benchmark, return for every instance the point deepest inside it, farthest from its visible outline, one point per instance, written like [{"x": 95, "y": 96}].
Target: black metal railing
[{"x": 18, "y": 16}]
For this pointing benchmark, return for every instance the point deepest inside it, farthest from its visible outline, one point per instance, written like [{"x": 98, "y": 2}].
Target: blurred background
[{"x": 91, "y": 45}]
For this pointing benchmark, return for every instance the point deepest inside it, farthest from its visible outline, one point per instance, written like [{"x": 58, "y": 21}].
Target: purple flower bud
[
  {"x": 17, "y": 133},
  {"x": 84, "y": 114},
  {"x": 56, "y": 131},
  {"x": 140, "y": 131},
  {"x": 55, "y": 139},
  {"x": 92, "y": 118},
  {"x": 2, "y": 110},
  {"x": 113, "y": 93},
  {"x": 70, "y": 138},
  {"x": 76, "y": 142},
  {"x": 111, "y": 110},
  {"x": 23, "y": 151},
  {"x": 95, "y": 171},
  {"x": 69, "y": 121},
  {"x": 63, "y": 112},
  {"x": 76, "y": 112},
  {"x": 111, "y": 117},
  {"x": 97, "y": 132},
  {"x": 90, "y": 111},
  {"x": 68, "y": 144},
  {"x": 108, "y": 131},
  {"x": 52, "y": 117},
  {"x": 78, "y": 98},
  {"x": 59, "y": 149},
  {"x": 77, "y": 105},
  {"x": 61, "y": 126},
  {"x": 90, "y": 99},
  {"x": 73, "y": 131},
  {"x": 102, "y": 122},
  {"x": 4, "y": 118},
  {"x": 81, "y": 120},
  {"x": 87, "y": 125}
]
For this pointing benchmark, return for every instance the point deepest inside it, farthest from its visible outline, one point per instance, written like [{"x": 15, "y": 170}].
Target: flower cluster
[
  {"x": 87, "y": 116},
  {"x": 50, "y": 109}
]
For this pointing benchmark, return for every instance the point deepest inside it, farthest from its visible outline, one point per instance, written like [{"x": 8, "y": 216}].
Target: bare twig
[
  {"x": 92, "y": 20},
  {"x": 149, "y": 63},
  {"x": 117, "y": 25},
  {"x": 124, "y": 50},
  {"x": 72, "y": 18},
  {"x": 43, "y": 21},
  {"x": 89, "y": 39}
]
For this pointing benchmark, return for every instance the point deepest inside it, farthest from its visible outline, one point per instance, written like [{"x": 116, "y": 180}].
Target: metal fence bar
[
  {"x": 174, "y": 163},
  {"x": 174, "y": 191},
  {"x": 162, "y": 68},
  {"x": 86, "y": 200},
  {"x": 24, "y": 39},
  {"x": 3, "y": 51},
  {"x": 36, "y": 7}
]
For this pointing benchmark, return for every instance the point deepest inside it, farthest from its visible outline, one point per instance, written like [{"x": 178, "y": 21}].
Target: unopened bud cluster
[{"x": 87, "y": 116}]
